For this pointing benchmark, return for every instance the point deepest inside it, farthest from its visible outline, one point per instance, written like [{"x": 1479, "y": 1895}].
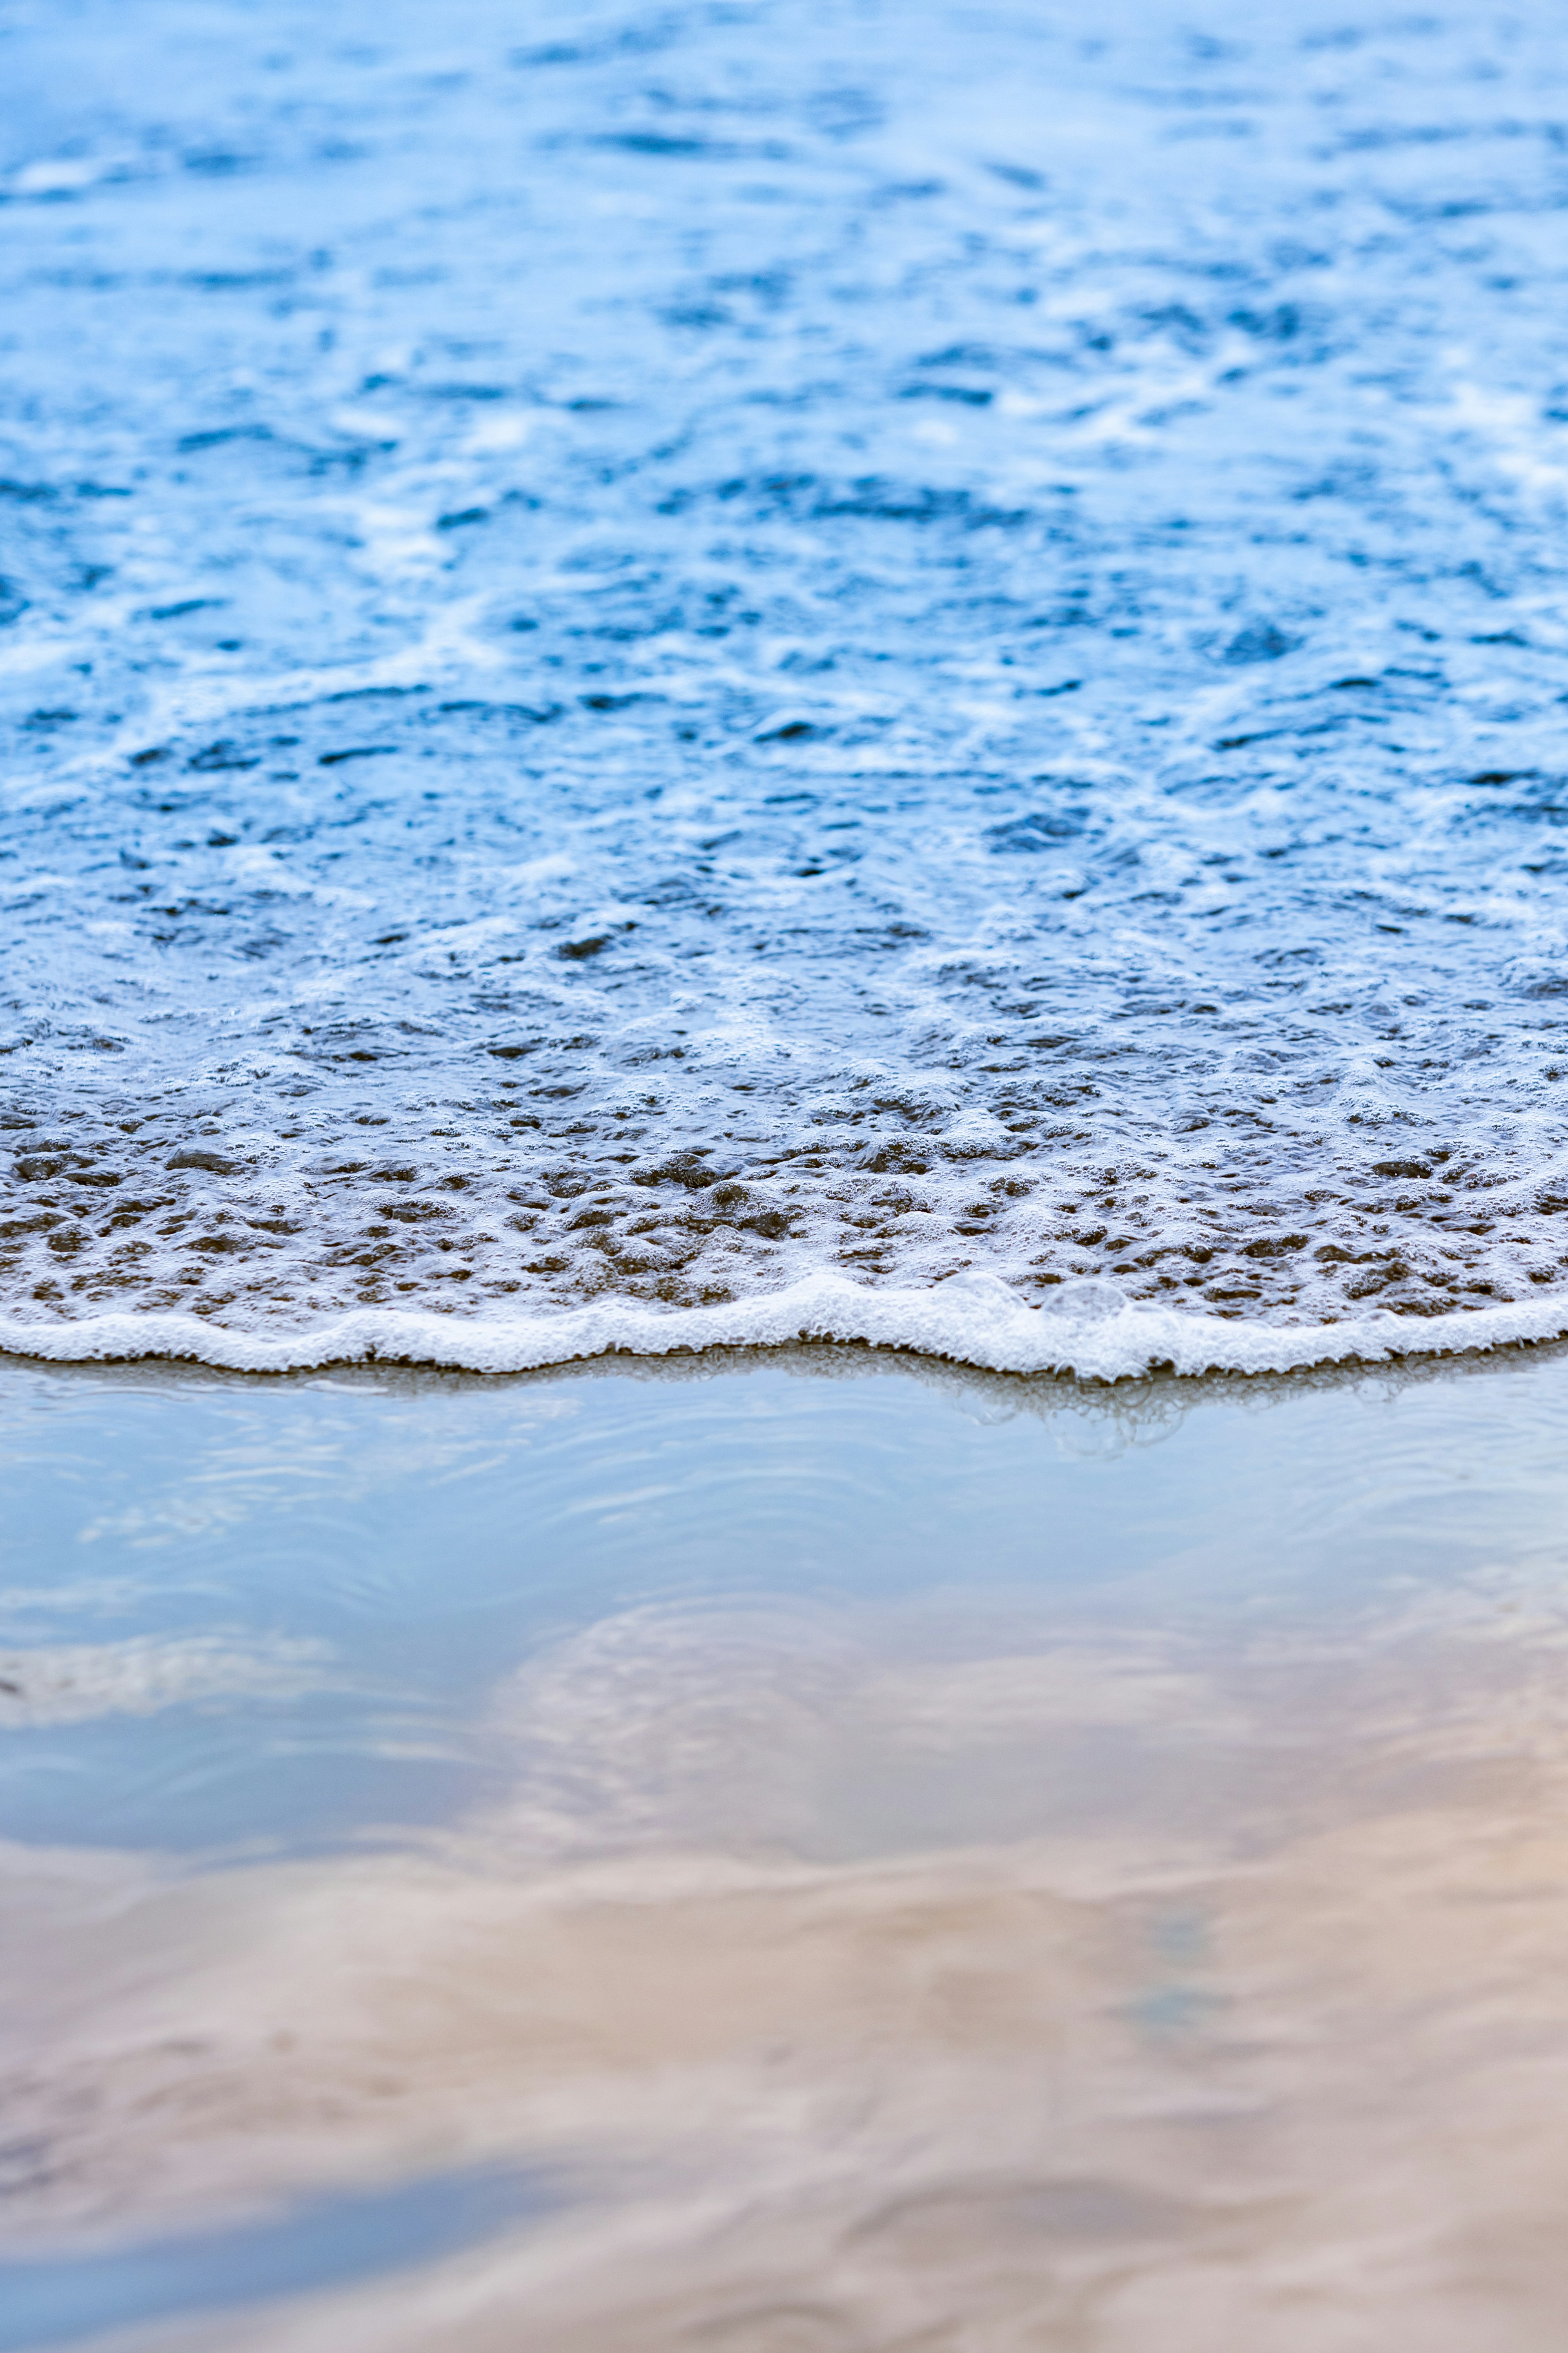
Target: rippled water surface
[
  {"x": 652, "y": 650},
  {"x": 793, "y": 1858}
]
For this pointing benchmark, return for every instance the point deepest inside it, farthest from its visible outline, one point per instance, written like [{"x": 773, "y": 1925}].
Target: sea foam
[{"x": 1088, "y": 1328}]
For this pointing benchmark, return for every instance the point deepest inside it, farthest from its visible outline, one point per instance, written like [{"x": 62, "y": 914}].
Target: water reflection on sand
[{"x": 935, "y": 1967}]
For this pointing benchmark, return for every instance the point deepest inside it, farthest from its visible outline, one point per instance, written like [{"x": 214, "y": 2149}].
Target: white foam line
[{"x": 1087, "y": 1328}]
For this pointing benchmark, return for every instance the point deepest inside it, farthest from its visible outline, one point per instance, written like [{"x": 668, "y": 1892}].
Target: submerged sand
[{"x": 1252, "y": 2033}]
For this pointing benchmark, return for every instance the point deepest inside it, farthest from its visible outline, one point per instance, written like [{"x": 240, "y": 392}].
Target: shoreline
[{"x": 1088, "y": 1332}]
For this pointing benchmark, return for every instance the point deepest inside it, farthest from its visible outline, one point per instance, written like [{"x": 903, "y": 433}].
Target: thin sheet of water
[{"x": 814, "y": 1853}]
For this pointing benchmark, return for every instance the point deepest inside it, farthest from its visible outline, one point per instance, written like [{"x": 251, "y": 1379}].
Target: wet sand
[{"x": 1144, "y": 1928}]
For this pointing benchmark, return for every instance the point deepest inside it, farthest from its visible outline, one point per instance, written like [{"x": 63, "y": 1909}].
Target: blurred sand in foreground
[{"x": 1268, "y": 2048}]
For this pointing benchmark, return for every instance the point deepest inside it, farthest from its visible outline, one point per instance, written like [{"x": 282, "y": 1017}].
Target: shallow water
[
  {"x": 814, "y": 1852},
  {"x": 658, "y": 650}
]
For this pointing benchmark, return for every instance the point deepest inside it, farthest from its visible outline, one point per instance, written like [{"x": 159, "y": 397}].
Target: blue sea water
[{"x": 656, "y": 654}]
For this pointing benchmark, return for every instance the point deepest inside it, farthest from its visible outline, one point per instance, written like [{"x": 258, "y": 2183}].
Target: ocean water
[
  {"x": 720, "y": 669},
  {"x": 810, "y": 1853}
]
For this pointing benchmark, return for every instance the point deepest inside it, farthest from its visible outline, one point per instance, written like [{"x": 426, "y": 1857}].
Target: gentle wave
[{"x": 1088, "y": 1329}]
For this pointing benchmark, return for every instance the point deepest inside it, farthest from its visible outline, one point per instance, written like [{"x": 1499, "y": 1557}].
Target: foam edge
[{"x": 1084, "y": 1328}]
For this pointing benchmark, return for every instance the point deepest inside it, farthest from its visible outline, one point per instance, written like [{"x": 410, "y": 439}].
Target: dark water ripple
[{"x": 653, "y": 649}]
